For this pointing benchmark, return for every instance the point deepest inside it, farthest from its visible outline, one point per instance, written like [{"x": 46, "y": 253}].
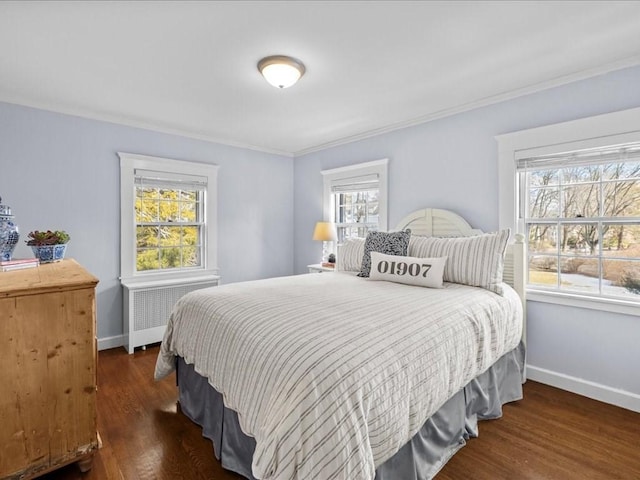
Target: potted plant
[{"x": 49, "y": 246}]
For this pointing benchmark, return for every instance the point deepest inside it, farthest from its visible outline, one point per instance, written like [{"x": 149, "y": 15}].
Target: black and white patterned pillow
[{"x": 390, "y": 243}]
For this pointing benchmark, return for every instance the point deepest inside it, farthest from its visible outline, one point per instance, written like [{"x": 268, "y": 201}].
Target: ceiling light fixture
[{"x": 281, "y": 71}]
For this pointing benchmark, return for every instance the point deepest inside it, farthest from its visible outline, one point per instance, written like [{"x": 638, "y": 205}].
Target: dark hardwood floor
[{"x": 550, "y": 434}]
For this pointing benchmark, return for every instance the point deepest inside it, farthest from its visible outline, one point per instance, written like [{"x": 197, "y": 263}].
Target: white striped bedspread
[{"x": 331, "y": 373}]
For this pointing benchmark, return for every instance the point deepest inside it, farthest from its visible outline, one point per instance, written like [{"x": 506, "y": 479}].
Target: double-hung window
[
  {"x": 170, "y": 222},
  {"x": 581, "y": 215},
  {"x": 356, "y": 206},
  {"x": 168, "y": 216},
  {"x": 355, "y": 198},
  {"x": 573, "y": 191}
]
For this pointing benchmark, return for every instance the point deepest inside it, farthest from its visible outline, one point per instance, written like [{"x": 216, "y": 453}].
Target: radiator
[{"x": 147, "y": 306}]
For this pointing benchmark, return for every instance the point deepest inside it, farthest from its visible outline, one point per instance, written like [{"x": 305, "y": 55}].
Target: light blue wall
[
  {"x": 452, "y": 163},
  {"x": 60, "y": 171}
]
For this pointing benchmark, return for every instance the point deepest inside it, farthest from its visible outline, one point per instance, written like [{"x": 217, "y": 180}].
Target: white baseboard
[
  {"x": 603, "y": 393},
  {"x": 111, "y": 342}
]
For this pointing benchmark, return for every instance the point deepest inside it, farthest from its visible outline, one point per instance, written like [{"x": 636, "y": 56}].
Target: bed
[{"x": 333, "y": 376}]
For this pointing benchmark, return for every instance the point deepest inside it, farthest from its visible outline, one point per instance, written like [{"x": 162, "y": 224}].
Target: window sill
[
  {"x": 582, "y": 301},
  {"x": 169, "y": 278}
]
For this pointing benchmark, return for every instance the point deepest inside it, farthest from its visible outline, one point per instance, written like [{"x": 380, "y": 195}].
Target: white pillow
[
  {"x": 477, "y": 260},
  {"x": 350, "y": 253},
  {"x": 422, "y": 272}
]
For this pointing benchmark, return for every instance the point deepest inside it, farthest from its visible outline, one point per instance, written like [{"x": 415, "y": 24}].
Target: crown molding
[
  {"x": 144, "y": 125},
  {"x": 483, "y": 102}
]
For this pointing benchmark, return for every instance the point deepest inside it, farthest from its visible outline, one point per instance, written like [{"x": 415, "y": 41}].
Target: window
[
  {"x": 355, "y": 198},
  {"x": 581, "y": 215},
  {"x": 168, "y": 216},
  {"x": 355, "y": 207},
  {"x": 573, "y": 191}
]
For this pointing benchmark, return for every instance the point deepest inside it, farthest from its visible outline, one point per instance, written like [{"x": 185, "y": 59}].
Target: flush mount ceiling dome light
[{"x": 281, "y": 71}]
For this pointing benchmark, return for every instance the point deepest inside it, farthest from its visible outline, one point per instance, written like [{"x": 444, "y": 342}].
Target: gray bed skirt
[{"x": 442, "y": 435}]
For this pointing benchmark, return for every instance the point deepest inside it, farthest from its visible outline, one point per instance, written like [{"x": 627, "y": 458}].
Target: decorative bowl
[{"x": 49, "y": 253}]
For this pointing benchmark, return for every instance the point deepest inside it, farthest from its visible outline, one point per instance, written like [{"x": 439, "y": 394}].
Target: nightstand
[{"x": 318, "y": 268}]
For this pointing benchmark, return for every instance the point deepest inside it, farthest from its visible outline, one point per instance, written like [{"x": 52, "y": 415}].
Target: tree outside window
[
  {"x": 356, "y": 213},
  {"x": 167, "y": 219},
  {"x": 168, "y": 228},
  {"x": 583, "y": 225}
]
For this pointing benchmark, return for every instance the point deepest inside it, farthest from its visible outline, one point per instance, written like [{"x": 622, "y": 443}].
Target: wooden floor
[{"x": 551, "y": 434}]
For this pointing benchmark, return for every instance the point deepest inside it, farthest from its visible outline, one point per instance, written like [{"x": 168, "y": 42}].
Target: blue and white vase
[{"x": 8, "y": 233}]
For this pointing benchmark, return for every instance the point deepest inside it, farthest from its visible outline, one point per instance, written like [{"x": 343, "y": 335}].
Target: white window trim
[
  {"x": 129, "y": 162},
  {"x": 592, "y": 132},
  {"x": 378, "y": 167}
]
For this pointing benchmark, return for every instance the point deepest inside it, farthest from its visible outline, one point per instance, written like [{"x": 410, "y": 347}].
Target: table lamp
[{"x": 325, "y": 232}]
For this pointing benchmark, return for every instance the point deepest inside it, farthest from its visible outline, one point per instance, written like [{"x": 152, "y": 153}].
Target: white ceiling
[{"x": 372, "y": 66}]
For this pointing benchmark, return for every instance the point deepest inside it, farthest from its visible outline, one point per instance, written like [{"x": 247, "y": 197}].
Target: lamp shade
[
  {"x": 325, "y": 232},
  {"x": 281, "y": 71}
]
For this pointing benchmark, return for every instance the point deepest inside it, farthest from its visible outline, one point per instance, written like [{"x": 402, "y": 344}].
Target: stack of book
[{"x": 18, "y": 264}]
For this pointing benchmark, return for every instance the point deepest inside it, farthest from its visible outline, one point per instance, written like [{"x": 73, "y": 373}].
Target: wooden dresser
[{"x": 47, "y": 369}]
